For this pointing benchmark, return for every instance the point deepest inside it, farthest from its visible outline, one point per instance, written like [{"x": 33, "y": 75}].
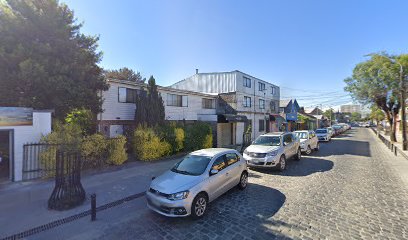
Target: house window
[
  {"x": 127, "y": 95},
  {"x": 177, "y": 100},
  {"x": 261, "y": 86},
  {"x": 247, "y": 82},
  {"x": 208, "y": 103},
  {"x": 261, "y": 104},
  {"x": 261, "y": 125},
  {"x": 273, "y": 91},
  {"x": 247, "y": 101},
  {"x": 273, "y": 106}
]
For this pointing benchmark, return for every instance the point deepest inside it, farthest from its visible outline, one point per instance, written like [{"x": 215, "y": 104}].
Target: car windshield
[
  {"x": 267, "y": 141},
  {"x": 192, "y": 165},
  {"x": 301, "y": 135},
  {"x": 321, "y": 131}
]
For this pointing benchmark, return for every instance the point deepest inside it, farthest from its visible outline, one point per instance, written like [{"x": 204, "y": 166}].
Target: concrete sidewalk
[
  {"x": 397, "y": 144},
  {"x": 24, "y": 204}
]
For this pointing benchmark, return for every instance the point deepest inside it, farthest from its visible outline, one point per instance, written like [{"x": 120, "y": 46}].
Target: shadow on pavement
[
  {"x": 306, "y": 166},
  {"x": 345, "y": 147},
  {"x": 235, "y": 215}
]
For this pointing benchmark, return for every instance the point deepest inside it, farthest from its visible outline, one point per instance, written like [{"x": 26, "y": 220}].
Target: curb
[{"x": 390, "y": 145}]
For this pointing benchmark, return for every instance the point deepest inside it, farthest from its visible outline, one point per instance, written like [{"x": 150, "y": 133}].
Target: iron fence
[{"x": 39, "y": 159}]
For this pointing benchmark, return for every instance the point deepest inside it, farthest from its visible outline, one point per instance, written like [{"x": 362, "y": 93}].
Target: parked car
[
  {"x": 199, "y": 178},
  {"x": 271, "y": 150},
  {"x": 323, "y": 134},
  {"x": 338, "y": 129},
  {"x": 308, "y": 141},
  {"x": 331, "y": 131}
]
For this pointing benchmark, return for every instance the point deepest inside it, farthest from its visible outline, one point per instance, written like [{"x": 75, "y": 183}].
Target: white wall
[
  {"x": 112, "y": 108},
  {"x": 28, "y": 134},
  {"x": 115, "y": 110},
  {"x": 193, "y": 111},
  {"x": 221, "y": 82}
]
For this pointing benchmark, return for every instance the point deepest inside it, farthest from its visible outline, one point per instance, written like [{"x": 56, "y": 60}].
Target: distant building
[{"x": 351, "y": 108}]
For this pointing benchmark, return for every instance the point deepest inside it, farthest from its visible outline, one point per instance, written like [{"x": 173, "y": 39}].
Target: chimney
[{"x": 196, "y": 70}]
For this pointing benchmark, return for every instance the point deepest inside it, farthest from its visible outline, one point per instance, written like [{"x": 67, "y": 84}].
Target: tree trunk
[{"x": 393, "y": 128}]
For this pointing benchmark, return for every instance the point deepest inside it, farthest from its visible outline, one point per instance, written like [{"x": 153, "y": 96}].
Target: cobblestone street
[{"x": 347, "y": 190}]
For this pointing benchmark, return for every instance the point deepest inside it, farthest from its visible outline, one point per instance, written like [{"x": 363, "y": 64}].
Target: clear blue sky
[{"x": 310, "y": 45}]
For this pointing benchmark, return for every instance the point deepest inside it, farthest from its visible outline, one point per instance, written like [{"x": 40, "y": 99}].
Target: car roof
[
  {"x": 273, "y": 134},
  {"x": 211, "y": 152},
  {"x": 303, "y": 131}
]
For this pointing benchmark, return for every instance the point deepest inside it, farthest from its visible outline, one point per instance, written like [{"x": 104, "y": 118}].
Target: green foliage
[
  {"x": 94, "y": 149},
  {"x": 147, "y": 145},
  {"x": 84, "y": 118},
  {"x": 125, "y": 74},
  {"x": 45, "y": 62},
  {"x": 116, "y": 150},
  {"x": 377, "y": 81},
  {"x": 198, "y": 136},
  {"x": 172, "y": 134},
  {"x": 329, "y": 114},
  {"x": 149, "y": 106},
  {"x": 376, "y": 114},
  {"x": 355, "y": 117},
  {"x": 68, "y": 136}
]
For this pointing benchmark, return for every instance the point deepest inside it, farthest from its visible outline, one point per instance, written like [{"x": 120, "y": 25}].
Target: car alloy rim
[
  {"x": 309, "y": 150},
  {"x": 299, "y": 154},
  {"x": 200, "y": 206},
  {"x": 244, "y": 180},
  {"x": 318, "y": 146},
  {"x": 282, "y": 163}
]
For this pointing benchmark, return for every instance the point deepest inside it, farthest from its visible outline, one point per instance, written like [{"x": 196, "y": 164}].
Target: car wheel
[
  {"x": 282, "y": 163},
  {"x": 199, "y": 206},
  {"x": 243, "y": 182},
  {"x": 298, "y": 155},
  {"x": 308, "y": 150},
  {"x": 317, "y": 147}
]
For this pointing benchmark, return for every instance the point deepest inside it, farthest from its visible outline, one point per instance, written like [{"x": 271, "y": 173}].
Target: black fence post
[{"x": 93, "y": 207}]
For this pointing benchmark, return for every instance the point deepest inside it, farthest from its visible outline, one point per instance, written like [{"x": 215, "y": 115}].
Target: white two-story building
[
  {"x": 180, "y": 105},
  {"x": 243, "y": 101}
]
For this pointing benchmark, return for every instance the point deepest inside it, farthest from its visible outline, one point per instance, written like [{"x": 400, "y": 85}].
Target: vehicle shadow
[
  {"x": 345, "y": 147},
  {"x": 306, "y": 166},
  {"x": 235, "y": 215}
]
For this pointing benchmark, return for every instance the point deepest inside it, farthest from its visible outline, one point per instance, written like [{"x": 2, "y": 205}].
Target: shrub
[
  {"x": 172, "y": 134},
  {"x": 94, "y": 149},
  {"x": 83, "y": 118},
  {"x": 67, "y": 136},
  {"x": 147, "y": 145},
  {"x": 117, "y": 151},
  {"x": 198, "y": 136}
]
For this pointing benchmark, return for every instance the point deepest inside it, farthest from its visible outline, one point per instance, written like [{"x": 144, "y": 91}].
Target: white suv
[
  {"x": 308, "y": 141},
  {"x": 272, "y": 149}
]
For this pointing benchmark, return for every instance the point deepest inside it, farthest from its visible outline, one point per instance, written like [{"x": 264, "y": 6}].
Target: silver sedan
[{"x": 199, "y": 178}]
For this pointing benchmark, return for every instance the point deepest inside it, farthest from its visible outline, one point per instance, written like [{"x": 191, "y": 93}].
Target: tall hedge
[
  {"x": 117, "y": 151},
  {"x": 147, "y": 145},
  {"x": 198, "y": 136}
]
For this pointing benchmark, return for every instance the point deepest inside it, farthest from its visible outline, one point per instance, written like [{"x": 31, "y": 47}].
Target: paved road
[{"x": 347, "y": 190}]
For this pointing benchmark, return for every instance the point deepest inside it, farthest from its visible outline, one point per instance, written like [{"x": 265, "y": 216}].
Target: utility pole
[{"x": 403, "y": 107}]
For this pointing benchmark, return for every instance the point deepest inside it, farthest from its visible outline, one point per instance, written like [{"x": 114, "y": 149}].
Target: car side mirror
[
  {"x": 213, "y": 172},
  {"x": 285, "y": 143}
]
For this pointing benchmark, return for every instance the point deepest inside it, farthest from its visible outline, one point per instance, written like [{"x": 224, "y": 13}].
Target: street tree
[
  {"x": 329, "y": 114},
  {"x": 45, "y": 61},
  {"x": 376, "y": 81},
  {"x": 355, "y": 117},
  {"x": 125, "y": 74},
  {"x": 376, "y": 114},
  {"x": 149, "y": 106}
]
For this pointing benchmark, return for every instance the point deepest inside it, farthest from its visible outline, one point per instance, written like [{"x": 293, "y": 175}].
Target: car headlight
[
  {"x": 273, "y": 153},
  {"x": 246, "y": 152},
  {"x": 178, "y": 196}
]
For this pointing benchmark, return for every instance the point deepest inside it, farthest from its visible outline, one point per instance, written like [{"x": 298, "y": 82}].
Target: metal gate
[{"x": 39, "y": 160}]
